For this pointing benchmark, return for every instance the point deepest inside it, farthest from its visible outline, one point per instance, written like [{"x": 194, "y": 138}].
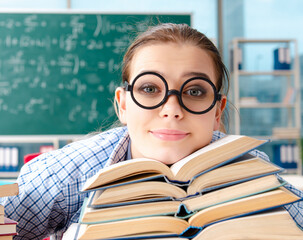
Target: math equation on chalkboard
[{"x": 59, "y": 72}]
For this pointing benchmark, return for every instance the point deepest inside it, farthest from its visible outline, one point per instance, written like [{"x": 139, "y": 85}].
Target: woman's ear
[
  {"x": 120, "y": 98},
  {"x": 219, "y": 111}
]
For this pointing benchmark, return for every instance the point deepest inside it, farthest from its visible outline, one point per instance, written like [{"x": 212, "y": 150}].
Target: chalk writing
[{"x": 61, "y": 70}]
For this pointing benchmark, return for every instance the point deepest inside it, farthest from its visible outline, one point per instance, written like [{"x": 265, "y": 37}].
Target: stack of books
[
  {"x": 218, "y": 192},
  {"x": 7, "y": 226}
]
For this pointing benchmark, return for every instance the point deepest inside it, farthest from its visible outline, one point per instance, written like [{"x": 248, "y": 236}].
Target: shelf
[
  {"x": 265, "y": 105},
  {"x": 274, "y": 138},
  {"x": 37, "y": 138},
  {"x": 54, "y": 139},
  {"x": 9, "y": 174},
  {"x": 291, "y": 114},
  {"x": 274, "y": 73},
  {"x": 245, "y": 40}
]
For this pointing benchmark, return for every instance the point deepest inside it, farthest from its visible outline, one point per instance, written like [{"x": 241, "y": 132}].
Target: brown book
[
  {"x": 8, "y": 237},
  {"x": 8, "y": 188},
  {"x": 184, "y": 171}
]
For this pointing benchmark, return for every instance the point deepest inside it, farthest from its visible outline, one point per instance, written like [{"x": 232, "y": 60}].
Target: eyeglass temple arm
[
  {"x": 219, "y": 96},
  {"x": 127, "y": 87}
]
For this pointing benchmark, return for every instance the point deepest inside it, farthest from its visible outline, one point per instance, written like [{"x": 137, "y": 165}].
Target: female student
[{"x": 171, "y": 104}]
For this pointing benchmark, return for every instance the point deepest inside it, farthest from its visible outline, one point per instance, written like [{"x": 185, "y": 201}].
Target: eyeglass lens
[{"x": 151, "y": 91}]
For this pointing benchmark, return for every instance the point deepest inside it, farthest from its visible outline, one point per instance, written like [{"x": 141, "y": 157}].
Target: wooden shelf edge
[{"x": 9, "y": 174}]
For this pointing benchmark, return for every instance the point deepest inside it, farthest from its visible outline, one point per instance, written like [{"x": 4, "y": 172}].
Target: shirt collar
[
  {"x": 120, "y": 150},
  {"x": 129, "y": 153}
]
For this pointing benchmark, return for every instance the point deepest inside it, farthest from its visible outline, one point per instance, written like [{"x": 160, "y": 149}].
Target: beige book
[
  {"x": 184, "y": 171},
  {"x": 217, "y": 178},
  {"x": 169, "y": 225},
  {"x": 190, "y": 205}
]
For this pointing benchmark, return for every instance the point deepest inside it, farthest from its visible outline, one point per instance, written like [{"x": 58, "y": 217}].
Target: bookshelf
[
  {"x": 265, "y": 81},
  {"x": 12, "y": 140}
]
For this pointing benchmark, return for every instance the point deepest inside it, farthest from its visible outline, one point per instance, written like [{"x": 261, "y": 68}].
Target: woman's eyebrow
[
  {"x": 196, "y": 74},
  {"x": 185, "y": 75}
]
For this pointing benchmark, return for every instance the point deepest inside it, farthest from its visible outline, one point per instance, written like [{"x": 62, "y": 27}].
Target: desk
[{"x": 295, "y": 180}]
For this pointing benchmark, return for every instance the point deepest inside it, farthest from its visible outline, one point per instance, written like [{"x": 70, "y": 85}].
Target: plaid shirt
[{"x": 49, "y": 199}]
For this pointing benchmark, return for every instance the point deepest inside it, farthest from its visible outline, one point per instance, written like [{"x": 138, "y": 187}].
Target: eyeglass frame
[{"x": 129, "y": 87}]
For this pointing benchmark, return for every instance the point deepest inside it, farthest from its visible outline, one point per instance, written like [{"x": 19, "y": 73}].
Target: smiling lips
[{"x": 168, "y": 134}]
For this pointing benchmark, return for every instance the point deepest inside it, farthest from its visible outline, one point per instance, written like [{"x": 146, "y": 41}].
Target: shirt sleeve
[
  {"x": 39, "y": 198},
  {"x": 49, "y": 197},
  {"x": 45, "y": 204}
]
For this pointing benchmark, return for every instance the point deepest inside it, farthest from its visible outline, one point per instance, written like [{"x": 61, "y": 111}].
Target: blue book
[{"x": 282, "y": 59}]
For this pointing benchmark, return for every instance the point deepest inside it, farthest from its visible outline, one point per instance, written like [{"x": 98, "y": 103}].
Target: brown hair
[{"x": 177, "y": 33}]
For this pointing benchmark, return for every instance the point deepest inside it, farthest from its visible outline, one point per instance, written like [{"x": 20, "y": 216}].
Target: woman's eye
[
  {"x": 195, "y": 92},
  {"x": 149, "y": 89}
]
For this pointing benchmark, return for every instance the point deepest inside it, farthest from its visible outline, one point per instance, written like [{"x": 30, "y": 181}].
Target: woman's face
[{"x": 169, "y": 132}]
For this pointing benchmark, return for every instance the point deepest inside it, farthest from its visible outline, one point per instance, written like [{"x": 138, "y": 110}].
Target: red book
[{"x": 8, "y": 227}]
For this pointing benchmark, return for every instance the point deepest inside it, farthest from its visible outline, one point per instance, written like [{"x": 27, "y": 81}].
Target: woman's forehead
[{"x": 173, "y": 61}]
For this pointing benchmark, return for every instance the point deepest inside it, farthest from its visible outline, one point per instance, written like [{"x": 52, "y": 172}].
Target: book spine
[
  {"x": 9, "y": 159},
  {"x": 282, "y": 59},
  {"x": 1, "y": 159},
  {"x": 286, "y": 155}
]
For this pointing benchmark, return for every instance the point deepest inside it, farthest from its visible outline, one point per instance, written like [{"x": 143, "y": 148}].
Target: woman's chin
[{"x": 169, "y": 160}]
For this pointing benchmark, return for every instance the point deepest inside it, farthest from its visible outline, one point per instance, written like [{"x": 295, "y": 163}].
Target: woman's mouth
[{"x": 169, "y": 134}]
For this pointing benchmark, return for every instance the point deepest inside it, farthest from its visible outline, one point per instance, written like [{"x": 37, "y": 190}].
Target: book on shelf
[
  {"x": 286, "y": 132},
  {"x": 249, "y": 100},
  {"x": 184, "y": 171},
  {"x": 214, "y": 186},
  {"x": 286, "y": 155},
  {"x": 282, "y": 58},
  {"x": 290, "y": 96},
  {"x": 8, "y": 188},
  {"x": 9, "y": 157}
]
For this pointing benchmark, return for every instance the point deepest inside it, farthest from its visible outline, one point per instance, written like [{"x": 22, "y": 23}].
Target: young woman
[{"x": 171, "y": 104}]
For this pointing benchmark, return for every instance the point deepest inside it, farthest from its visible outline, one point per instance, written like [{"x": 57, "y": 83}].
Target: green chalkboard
[{"x": 59, "y": 71}]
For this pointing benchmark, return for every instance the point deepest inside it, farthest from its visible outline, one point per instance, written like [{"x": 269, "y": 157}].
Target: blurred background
[{"x": 261, "y": 42}]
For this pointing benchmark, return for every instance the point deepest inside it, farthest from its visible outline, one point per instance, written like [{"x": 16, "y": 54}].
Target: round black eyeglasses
[{"x": 197, "y": 95}]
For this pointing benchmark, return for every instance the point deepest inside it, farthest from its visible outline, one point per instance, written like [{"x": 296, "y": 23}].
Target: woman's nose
[{"x": 172, "y": 108}]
